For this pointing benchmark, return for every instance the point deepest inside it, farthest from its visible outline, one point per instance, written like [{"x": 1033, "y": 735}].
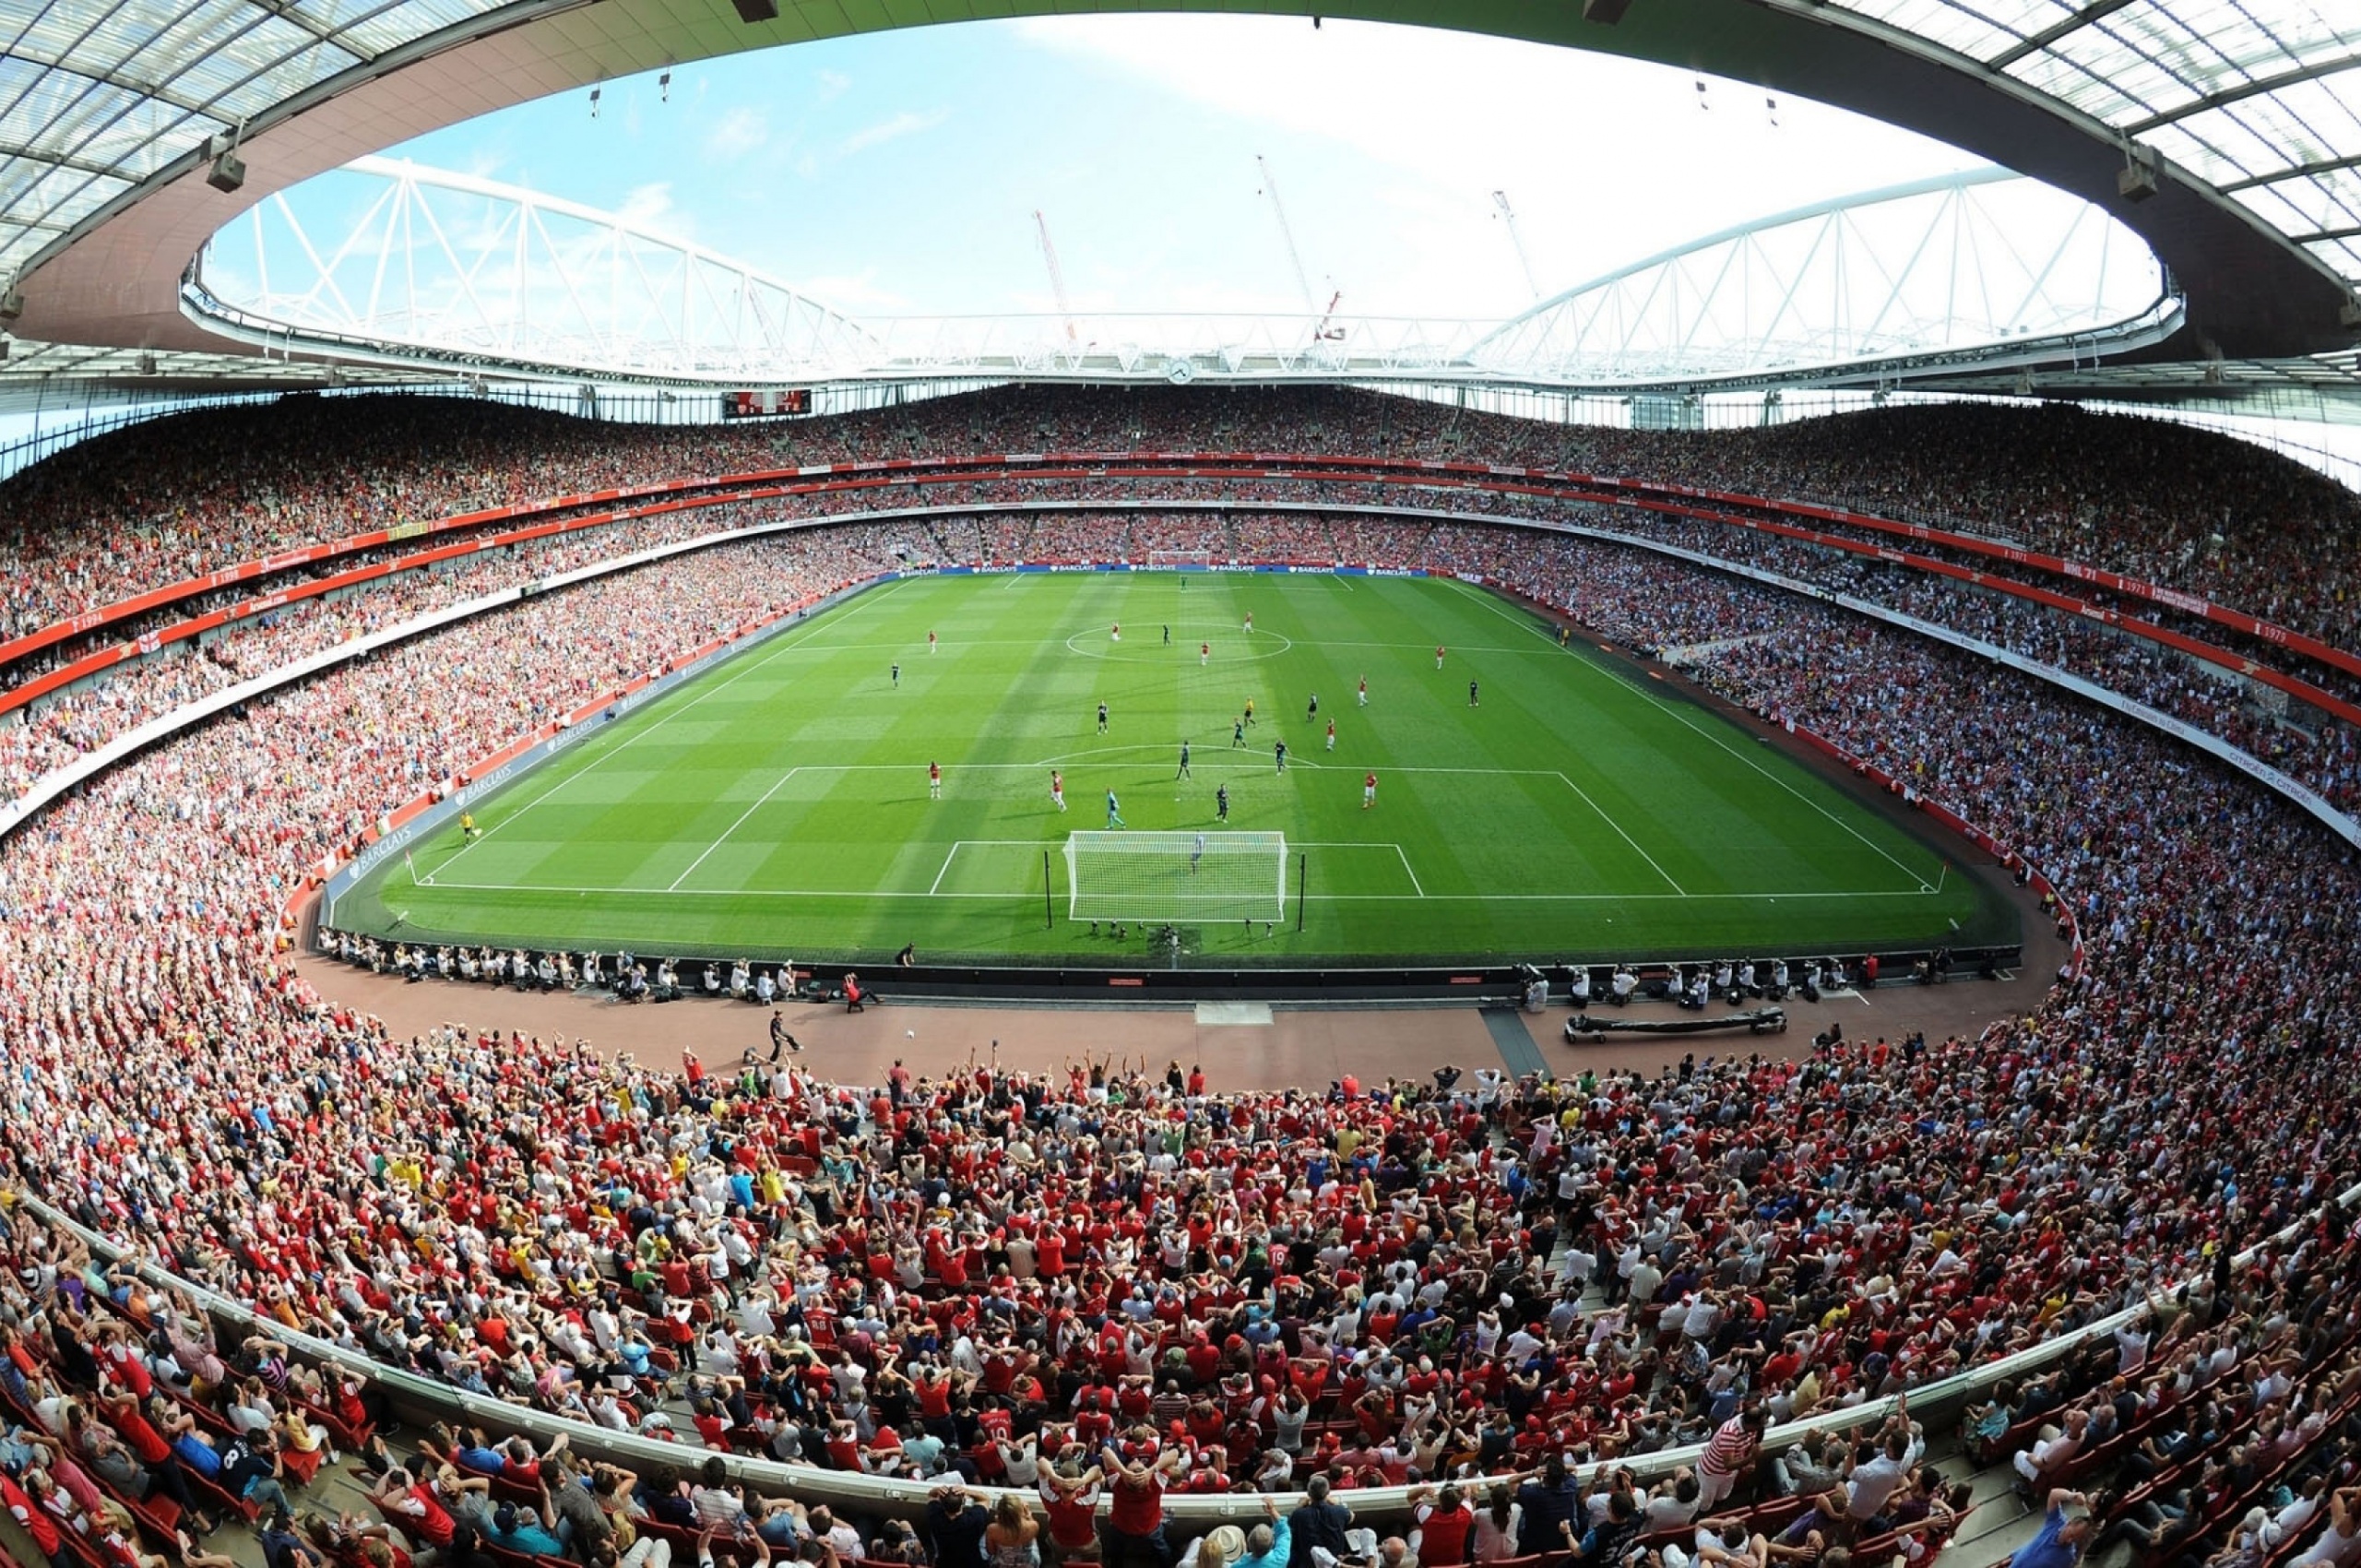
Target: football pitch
[{"x": 779, "y": 804}]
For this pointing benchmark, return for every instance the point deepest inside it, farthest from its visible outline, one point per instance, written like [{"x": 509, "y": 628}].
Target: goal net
[
  {"x": 1173, "y": 876},
  {"x": 1200, "y": 559}
]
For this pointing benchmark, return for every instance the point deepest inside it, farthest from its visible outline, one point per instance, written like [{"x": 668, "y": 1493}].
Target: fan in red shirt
[
  {"x": 1445, "y": 1524},
  {"x": 1135, "y": 1532},
  {"x": 1073, "y": 1509}
]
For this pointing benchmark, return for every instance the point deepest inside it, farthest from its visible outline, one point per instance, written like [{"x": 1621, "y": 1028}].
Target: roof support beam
[
  {"x": 2241, "y": 93},
  {"x": 2317, "y": 235},
  {"x": 2249, "y": 288},
  {"x": 2097, "y": 11},
  {"x": 2295, "y": 171},
  {"x": 286, "y": 12},
  {"x": 116, "y": 79},
  {"x": 59, "y": 160}
]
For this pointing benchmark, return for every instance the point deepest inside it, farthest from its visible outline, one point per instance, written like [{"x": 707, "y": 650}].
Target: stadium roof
[
  {"x": 2253, "y": 108},
  {"x": 2258, "y": 98}
]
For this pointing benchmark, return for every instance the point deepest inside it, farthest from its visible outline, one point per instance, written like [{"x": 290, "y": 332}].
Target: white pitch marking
[
  {"x": 734, "y": 826},
  {"x": 1486, "y": 600},
  {"x": 781, "y": 645},
  {"x": 1407, "y": 872},
  {"x": 1611, "y": 822},
  {"x": 1044, "y": 844},
  {"x": 933, "y": 891}
]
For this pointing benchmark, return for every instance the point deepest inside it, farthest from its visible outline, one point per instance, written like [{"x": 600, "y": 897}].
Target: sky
[{"x": 897, "y": 174}]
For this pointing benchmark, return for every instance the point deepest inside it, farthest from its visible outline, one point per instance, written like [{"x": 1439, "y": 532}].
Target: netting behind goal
[
  {"x": 1176, "y": 876},
  {"x": 1176, "y": 558}
]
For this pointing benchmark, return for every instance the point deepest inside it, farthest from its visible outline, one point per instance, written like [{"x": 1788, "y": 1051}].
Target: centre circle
[{"x": 1099, "y": 645}]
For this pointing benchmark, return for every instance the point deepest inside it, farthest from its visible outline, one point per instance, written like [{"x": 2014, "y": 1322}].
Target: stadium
[{"x": 659, "y": 909}]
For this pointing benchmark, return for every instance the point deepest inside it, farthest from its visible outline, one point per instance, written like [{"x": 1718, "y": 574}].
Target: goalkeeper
[
  {"x": 1114, "y": 813},
  {"x": 1196, "y": 853}
]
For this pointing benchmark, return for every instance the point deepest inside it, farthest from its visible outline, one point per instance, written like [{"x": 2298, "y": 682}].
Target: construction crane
[
  {"x": 1321, "y": 329},
  {"x": 1057, "y": 274},
  {"x": 1271, "y": 189},
  {"x": 1500, "y": 200}
]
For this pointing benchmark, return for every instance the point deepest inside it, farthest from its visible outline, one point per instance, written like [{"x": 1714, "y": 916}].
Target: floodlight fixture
[
  {"x": 228, "y": 170},
  {"x": 2137, "y": 180}
]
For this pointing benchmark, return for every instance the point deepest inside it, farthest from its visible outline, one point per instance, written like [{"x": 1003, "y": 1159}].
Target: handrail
[
  {"x": 814, "y": 1484},
  {"x": 27, "y": 450}
]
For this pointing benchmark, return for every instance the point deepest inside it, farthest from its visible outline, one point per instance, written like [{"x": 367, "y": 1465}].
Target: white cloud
[
  {"x": 1137, "y": 135},
  {"x": 744, "y": 129},
  {"x": 854, "y": 292},
  {"x": 650, "y": 206},
  {"x": 1605, "y": 160},
  {"x": 906, "y": 123}
]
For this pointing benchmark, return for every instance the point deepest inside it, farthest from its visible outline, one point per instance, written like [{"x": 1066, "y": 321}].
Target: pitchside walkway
[{"x": 1299, "y": 1047}]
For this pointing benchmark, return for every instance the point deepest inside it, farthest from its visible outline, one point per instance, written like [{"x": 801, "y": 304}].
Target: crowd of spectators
[
  {"x": 1114, "y": 1276},
  {"x": 243, "y": 484},
  {"x": 2200, "y": 512},
  {"x": 2305, "y": 742}
]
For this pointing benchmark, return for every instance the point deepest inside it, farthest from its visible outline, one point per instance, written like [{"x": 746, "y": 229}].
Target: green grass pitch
[{"x": 778, "y": 806}]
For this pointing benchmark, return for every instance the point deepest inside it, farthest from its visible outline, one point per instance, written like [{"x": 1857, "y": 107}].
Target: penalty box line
[
  {"x": 1818, "y": 895},
  {"x": 1666, "y": 705},
  {"x": 1418, "y": 890},
  {"x": 934, "y": 889},
  {"x": 784, "y": 642},
  {"x": 1603, "y": 815}
]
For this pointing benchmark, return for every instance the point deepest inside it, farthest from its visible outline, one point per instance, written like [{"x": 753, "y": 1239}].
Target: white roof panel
[
  {"x": 98, "y": 95},
  {"x": 2235, "y": 92}
]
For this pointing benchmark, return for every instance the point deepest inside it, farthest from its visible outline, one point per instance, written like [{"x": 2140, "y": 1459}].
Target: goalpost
[
  {"x": 1180, "y": 560},
  {"x": 1174, "y": 877}
]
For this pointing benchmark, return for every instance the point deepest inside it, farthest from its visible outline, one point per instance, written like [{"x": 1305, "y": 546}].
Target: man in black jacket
[
  {"x": 1550, "y": 1500},
  {"x": 1319, "y": 1523}
]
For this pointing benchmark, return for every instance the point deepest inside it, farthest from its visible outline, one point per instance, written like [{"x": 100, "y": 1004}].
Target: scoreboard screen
[{"x": 764, "y": 404}]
